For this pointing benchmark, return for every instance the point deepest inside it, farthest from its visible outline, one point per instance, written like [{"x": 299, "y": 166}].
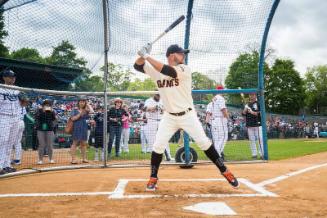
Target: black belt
[{"x": 181, "y": 113}]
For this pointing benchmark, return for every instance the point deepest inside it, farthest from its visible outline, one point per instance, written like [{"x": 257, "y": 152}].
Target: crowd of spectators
[{"x": 278, "y": 126}]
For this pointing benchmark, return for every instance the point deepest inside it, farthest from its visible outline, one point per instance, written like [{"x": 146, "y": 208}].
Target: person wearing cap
[
  {"x": 174, "y": 82},
  {"x": 217, "y": 118},
  {"x": 45, "y": 119},
  {"x": 10, "y": 114},
  {"x": 115, "y": 116},
  {"x": 251, "y": 112},
  {"x": 79, "y": 116}
]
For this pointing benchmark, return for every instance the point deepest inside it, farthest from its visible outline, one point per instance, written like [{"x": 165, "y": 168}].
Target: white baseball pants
[
  {"x": 8, "y": 137},
  {"x": 144, "y": 141},
  {"x": 151, "y": 130},
  {"x": 188, "y": 122},
  {"x": 219, "y": 131},
  {"x": 255, "y": 134},
  {"x": 18, "y": 143}
]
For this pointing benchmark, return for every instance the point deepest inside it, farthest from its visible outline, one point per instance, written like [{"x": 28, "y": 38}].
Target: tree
[
  {"x": 28, "y": 54},
  {"x": 139, "y": 85},
  {"x": 202, "y": 82},
  {"x": 284, "y": 88},
  {"x": 243, "y": 73},
  {"x": 4, "y": 51},
  {"x": 316, "y": 89},
  {"x": 119, "y": 78},
  {"x": 65, "y": 55},
  {"x": 90, "y": 84}
]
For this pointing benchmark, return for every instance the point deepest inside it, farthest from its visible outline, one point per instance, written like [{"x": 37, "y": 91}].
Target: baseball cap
[
  {"x": 176, "y": 49},
  {"x": 8, "y": 73}
]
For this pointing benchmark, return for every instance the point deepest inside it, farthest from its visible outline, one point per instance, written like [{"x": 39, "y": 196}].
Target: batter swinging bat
[{"x": 172, "y": 26}]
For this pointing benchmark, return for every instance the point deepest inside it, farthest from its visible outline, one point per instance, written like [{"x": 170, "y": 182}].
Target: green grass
[{"x": 239, "y": 150}]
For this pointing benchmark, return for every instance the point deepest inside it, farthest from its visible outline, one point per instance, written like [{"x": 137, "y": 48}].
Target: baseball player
[
  {"x": 174, "y": 81},
  {"x": 18, "y": 143},
  {"x": 10, "y": 113},
  {"x": 253, "y": 123},
  {"x": 218, "y": 114},
  {"x": 154, "y": 110},
  {"x": 316, "y": 129},
  {"x": 142, "y": 122}
]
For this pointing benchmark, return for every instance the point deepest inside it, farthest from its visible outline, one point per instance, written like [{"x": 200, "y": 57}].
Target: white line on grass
[{"x": 282, "y": 177}]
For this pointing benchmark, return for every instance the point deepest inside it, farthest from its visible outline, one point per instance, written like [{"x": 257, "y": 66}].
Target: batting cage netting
[{"x": 58, "y": 52}]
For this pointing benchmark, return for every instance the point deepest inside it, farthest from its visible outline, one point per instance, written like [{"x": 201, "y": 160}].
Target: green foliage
[
  {"x": 65, "y": 55},
  {"x": 90, "y": 84},
  {"x": 4, "y": 52},
  {"x": 139, "y": 85},
  {"x": 201, "y": 81},
  {"x": 316, "y": 89},
  {"x": 27, "y": 54},
  {"x": 243, "y": 73},
  {"x": 284, "y": 88},
  {"x": 119, "y": 78}
]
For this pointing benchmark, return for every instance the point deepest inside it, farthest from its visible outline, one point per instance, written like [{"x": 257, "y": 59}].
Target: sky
[
  {"x": 299, "y": 32},
  {"x": 219, "y": 32}
]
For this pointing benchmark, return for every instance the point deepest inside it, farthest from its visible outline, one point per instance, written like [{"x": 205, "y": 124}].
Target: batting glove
[{"x": 143, "y": 52}]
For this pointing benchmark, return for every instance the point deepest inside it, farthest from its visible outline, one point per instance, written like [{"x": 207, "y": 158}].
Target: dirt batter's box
[{"x": 259, "y": 191}]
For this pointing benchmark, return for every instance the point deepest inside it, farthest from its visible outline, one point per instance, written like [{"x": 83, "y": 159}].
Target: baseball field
[{"x": 292, "y": 184}]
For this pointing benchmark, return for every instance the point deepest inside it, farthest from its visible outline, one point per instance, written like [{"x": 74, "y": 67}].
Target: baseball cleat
[
  {"x": 231, "y": 178},
  {"x": 152, "y": 184}
]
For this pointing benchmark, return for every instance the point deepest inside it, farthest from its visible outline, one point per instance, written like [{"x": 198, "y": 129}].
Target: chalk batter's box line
[{"x": 119, "y": 192}]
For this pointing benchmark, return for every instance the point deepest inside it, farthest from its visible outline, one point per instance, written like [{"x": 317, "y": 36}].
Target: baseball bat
[
  {"x": 172, "y": 26},
  {"x": 242, "y": 97}
]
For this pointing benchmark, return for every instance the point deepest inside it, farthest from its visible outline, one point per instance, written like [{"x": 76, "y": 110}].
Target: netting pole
[
  {"x": 186, "y": 46},
  {"x": 261, "y": 77},
  {"x": 105, "y": 79}
]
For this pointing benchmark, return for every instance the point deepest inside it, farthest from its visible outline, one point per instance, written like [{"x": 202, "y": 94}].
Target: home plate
[{"x": 211, "y": 208}]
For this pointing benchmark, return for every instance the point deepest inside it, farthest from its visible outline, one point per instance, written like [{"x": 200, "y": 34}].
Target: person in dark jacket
[
  {"x": 115, "y": 115},
  {"x": 45, "y": 122}
]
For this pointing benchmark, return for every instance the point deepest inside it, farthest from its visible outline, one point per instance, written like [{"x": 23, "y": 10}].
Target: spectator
[
  {"x": 45, "y": 118},
  {"x": 115, "y": 115},
  {"x": 80, "y": 128},
  {"x": 98, "y": 118},
  {"x": 126, "y": 118}
]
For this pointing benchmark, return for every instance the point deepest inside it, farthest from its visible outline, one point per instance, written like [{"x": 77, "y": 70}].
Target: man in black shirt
[
  {"x": 251, "y": 112},
  {"x": 115, "y": 115}
]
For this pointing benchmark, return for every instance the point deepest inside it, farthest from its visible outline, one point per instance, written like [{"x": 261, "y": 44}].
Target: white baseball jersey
[
  {"x": 156, "y": 115},
  {"x": 218, "y": 104},
  {"x": 175, "y": 93},
  {"x": 9, "y": 103},
  {"x": 209, "y": 108},
  {"x": 22, "y": 113}
]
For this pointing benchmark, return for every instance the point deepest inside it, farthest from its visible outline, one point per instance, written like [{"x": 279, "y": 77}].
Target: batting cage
[{"x": 77, "y": 100}]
